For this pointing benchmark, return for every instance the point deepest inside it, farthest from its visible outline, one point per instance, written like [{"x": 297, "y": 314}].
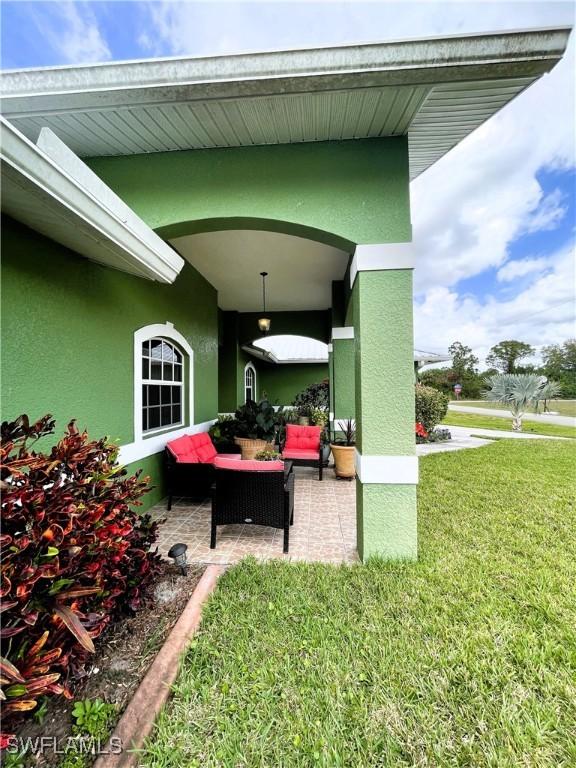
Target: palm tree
[
  {"x": 549, "y": 391},
  {"x": 519, "y": 391}
]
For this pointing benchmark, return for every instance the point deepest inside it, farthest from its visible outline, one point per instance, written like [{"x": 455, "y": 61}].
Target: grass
[
  {"x": 478, "y": 421},
  {"x": 466, "y": 658},
  {"x": 563, "y": 407}
]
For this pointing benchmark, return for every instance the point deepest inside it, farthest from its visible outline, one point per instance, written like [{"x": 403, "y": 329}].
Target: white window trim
[
  {"x": 253, "y": 369},
  {"x": 146, "y": 444}
]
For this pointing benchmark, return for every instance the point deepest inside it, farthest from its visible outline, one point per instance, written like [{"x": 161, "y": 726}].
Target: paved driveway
[{"x": 568, "y": 421}]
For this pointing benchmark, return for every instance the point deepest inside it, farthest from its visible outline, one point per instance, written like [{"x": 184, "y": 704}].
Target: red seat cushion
[
  {"x": 249, "y": 466},
  {"x": 306, "y": 438},
  {"x": 193, "y": 449},
  {"x": 300, "y": 453},
  {"x": 233, "y": 456},
  {"x": 182, "y": 451}
]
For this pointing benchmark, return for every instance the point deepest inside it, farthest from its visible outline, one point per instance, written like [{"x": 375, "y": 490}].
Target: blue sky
[{"x": 494, "y": 221}]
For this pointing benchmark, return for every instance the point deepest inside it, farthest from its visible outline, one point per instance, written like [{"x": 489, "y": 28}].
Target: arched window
[
  {"x": 249, "y": 383},
  {"x": 162, "y": 385}
]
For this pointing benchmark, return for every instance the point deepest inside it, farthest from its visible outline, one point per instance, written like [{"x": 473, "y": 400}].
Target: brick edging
[{"x": 151, "y": 695}]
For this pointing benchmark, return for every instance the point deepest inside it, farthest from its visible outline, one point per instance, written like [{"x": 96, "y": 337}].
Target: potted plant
[
  {"x": 268, "y": 454},
  {"x": 304, "y": 415},
  {"x": 256, "y": 427},
  {"x": 319, "y": 418},
  {"x": 315, "y": 396},
  {"x": 223, "y": 433},
  {"x": 343, "y": 450}
]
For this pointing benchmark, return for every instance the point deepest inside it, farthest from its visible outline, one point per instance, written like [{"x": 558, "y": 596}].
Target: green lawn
[
  {"x": 465, "y": 658},
  {"x": 479, "y": 421},
  {"x": 563, "y": 407}
]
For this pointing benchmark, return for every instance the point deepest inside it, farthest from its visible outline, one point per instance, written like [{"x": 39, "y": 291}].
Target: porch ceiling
[
  {"x": 435, "y": 90},
  {"x": 300, "y": 271}
]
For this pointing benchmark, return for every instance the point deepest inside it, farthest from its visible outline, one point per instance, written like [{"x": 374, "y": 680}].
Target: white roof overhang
[
  {"x": 49, "y": 189},
  {"x": 435, "y": 90}
]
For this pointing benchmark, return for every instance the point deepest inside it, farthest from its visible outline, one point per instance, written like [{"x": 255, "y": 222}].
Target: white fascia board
[
  {"x": 413, "y": 61},
  {"x": 62, "y": 177}
]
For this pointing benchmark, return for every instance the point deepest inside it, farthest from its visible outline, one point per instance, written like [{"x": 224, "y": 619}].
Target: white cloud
[
  {"x": 519, "y": 268},
  {"x": 544, "y": 313},
  {"x": 72, "y": 30},
  {"x": 549, "y": 213}
]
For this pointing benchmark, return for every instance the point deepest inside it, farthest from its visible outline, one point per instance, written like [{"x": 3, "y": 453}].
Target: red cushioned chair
[
  {"x": 253, "y": 493},
  {"x": 190, "y": 466},
  {"x": 303, "y": 446}
]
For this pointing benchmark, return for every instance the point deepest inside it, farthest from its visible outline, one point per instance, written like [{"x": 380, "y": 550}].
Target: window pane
[
  {"x": 155, "y": 370},
  {"x": 176, "y": 414},
  {"x": 156, "y": 349},
  {"x": 145, "y": 395},
  {"x": 177, "y": 373},
  {"x": 146, "y": 348},
  {"x": 153, "y": 418},
  {"x": 153, "y": 395},
  {"x": 166, "y": 417},
  {"x": 177, "y": 356},
  {"x": 166, "y": 395},
  {"x": 176, "y": 395},
  {"x": 167, "y": 372},
  {"x": 144, "y": 419},
  {"x": 145, "y": 368}
]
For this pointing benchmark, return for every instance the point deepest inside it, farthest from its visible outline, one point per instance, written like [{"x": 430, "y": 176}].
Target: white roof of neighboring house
[{"x": 434, "y": 90}]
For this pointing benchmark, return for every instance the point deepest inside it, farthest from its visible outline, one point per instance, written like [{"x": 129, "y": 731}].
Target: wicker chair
[
  {"x": 303, "y": 447},
  {"x": 254, "y": 497},
  {"x": 189, "y": 466}
]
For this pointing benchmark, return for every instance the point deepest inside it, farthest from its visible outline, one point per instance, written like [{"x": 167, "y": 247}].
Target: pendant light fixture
[{"x": 264, "y": 322}]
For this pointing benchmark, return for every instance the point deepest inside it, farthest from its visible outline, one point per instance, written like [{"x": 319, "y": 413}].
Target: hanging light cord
[{"x": 264, "y": 290}]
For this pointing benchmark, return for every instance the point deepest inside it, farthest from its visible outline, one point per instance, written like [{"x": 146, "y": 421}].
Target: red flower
[{"x": 420, "y": 431}]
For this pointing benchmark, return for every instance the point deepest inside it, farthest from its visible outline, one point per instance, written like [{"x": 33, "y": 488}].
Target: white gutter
[{"x": 52, "y": 177}]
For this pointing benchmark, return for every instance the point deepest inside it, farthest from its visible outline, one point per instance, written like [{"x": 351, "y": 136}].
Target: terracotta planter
[
  {"x": 304, "y": 421},
  {"x": 249, "y": 448},
  {"x": 344, "y": 464}
]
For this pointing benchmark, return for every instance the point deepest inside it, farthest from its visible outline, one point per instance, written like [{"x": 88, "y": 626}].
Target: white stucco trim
[
  {"x": 140, "y": 450},
  {"x": 387, "y": 470},
  {"x": 330, "y": 348},
  {"x": 343, "y": 333},
  {"x": 143, "y": 445},
  {"x": 378, "y": 256}
]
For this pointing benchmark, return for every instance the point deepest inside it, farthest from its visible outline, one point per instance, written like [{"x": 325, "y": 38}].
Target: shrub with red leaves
[{"x": 75, "y": 556}]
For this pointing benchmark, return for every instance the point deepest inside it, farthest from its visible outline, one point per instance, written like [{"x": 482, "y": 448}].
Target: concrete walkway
[
  {"x": 567, "y": 421},
  {"x": 462, "y": 439}
]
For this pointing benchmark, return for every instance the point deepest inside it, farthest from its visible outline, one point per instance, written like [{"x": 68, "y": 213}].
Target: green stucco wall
[
  {"x": 67, "y": 335},
  {"x": 343, "y": 193},
  {"x": 343, "y": 382},
  {"x": 283, "y": 382}
]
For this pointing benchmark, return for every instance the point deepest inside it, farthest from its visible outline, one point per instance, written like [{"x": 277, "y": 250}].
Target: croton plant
[{"x": 75, "y": 556}]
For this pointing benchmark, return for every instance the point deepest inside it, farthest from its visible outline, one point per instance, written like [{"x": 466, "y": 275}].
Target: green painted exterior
[
  {"x": 67, "y": 335},
  {"x": 343, "y": 193},
  {"x": 386, "y": 514},
  {"x": 283, "y": 382},
  {"x": 343, "y": 382}
]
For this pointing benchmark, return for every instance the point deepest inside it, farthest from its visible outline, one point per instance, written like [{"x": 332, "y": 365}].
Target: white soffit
[
  {"x": 435, "y": 90},
  {"x": 300, "y": 271},
  {"x": 52, "y": 191}
]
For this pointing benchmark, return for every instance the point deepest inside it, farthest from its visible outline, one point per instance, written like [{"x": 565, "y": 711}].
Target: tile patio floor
[{"x": 324, "y": 527}]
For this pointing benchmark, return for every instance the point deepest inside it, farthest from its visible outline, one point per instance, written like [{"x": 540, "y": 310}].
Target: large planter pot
[
  {"x": 304, "y": 421},
  {"x": 249, "y": 448},
  {"x": 344, "y": 464}
]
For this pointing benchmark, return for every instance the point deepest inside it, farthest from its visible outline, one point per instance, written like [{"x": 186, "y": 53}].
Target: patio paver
[{"x": 324, "y": 527}]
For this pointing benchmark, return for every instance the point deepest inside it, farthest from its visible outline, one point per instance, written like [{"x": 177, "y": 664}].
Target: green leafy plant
[
  {"x": 319, "y": 417},
  {"x": 256, "y": 421},
  {"x": 93, "y": 717},
  {"x": 348, "y": 431},
  {"x": 519, "y": 391},
  {"x": 225, "y": 429},
  {"x": 268, "y": 454},
  {"x": 314, "y": 396},
  {"x": 75, "y": 557},
  {"x": 430, "y": 406}
]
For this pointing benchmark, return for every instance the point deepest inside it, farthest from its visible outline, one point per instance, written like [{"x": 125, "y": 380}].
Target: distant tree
[
  {"x": 463, "y": 361},
  {"x": 506, "y": 355},
  {"x": 559, "y": 362},
  {"x": 519, "y": 391}
]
